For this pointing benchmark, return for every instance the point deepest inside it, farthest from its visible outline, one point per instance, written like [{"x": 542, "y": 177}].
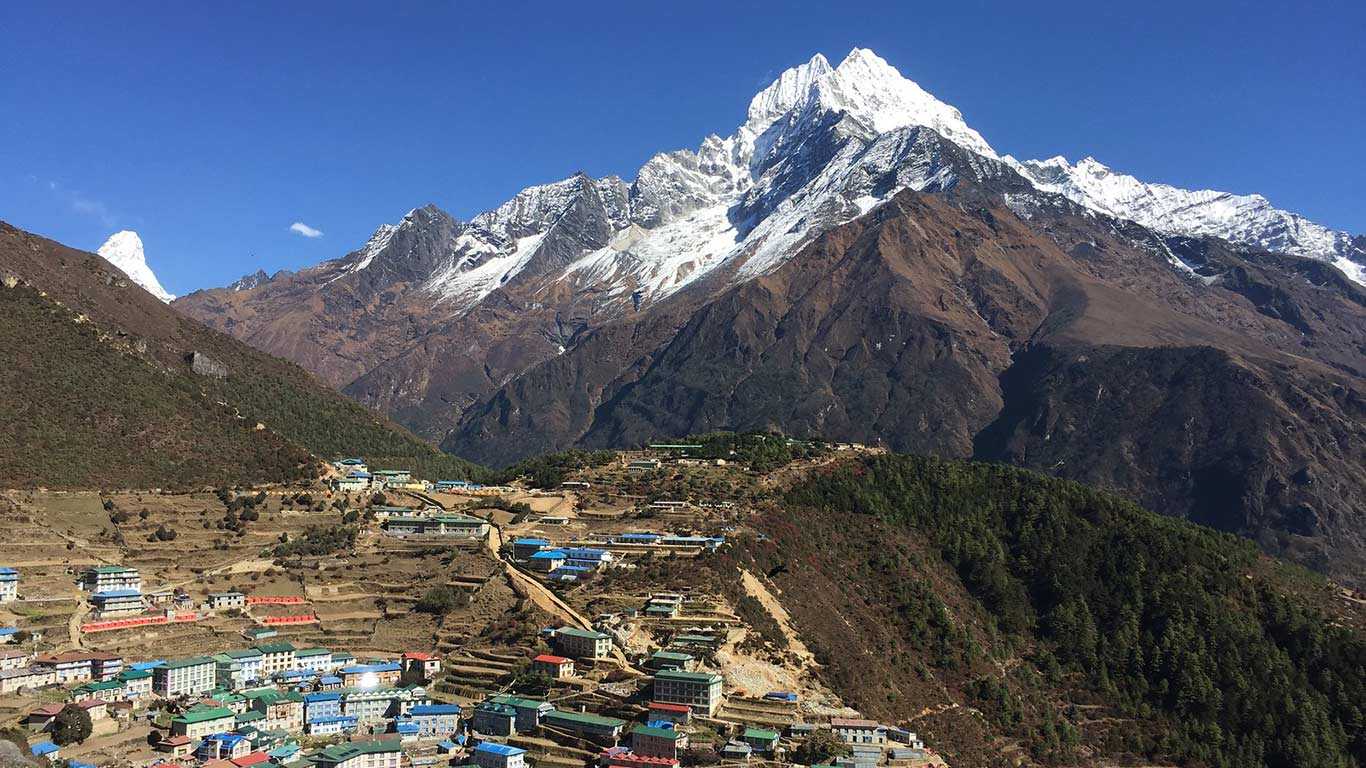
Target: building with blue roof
[
  {"x": 491, "y": 755},
  {"x": 435, "y": 719},
  {"x": 44, "y": 749},
  {"x": 9, "y": 584},
  {"x": 525, "y": 547},
  {"x": 332, "y": 725},
  {"x": 117, "y": 602},
  {"x": 546, "y": 560}
]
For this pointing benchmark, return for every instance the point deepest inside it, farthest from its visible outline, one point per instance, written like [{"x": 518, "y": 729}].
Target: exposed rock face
[{"x": 204, "y": 365}]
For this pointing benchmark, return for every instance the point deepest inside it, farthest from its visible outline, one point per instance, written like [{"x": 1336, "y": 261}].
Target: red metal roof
[
  {"x": 550, "y": 659},
  {"x": 255, "y": 758},
  {"x": 664, "y": 707},
  {"x": 418, "y": 656}
]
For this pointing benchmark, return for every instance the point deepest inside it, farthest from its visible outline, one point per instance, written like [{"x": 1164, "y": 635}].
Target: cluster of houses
[
  {"x": 572, "y": 562},
  {"x": 354, "y": 477}
]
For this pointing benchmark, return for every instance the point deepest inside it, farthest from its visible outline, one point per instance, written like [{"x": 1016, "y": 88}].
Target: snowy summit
[{"x": 124, "y": 250}]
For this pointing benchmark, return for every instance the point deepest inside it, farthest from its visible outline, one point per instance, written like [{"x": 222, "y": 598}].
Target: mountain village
[{"x": 377, "y": 620}]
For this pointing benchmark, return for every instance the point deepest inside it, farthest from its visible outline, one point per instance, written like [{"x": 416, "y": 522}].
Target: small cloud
[
  {"x": 80, "y": 203},
  {"x": 305, "y": 230}
]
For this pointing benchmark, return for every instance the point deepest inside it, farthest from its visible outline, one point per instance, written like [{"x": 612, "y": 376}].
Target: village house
[
  {"x": 530, "y": 712},
  {"x": 276, "y": 658},
  {"x": 346, "y": 466},
  {"x": 321, "y": 704},
  {"x": 595, "y": 728},
  {"x": 387, "y": 478},
  {"x": 222, "y": 746},
  {"x": 419, "y": 665},
  {"x": 494, "y": 719},
  {"x": 137, "y": 683},
  {"x": 640, "y": 537},
  {"x": 238, "y": 669},
  {"x": 26, "y": 679},
  {"x": 202, "y": 721},
  {"x": 353, "y": 482},
  {"x": 118, "y": 602},
  {"x": 283, "y": 710},
  {"x": 546, "y": 560},
  {"x": 331, "y": 725},
  {"x": 491, "y": 755},
  {"x": 660, "y": 660},
  {"x": 582, "y": 643},
  {"x": 106, "y": 691},
  {"x": 643, "y": 465},
  {"x": 184, "y": 677},
  {"x": 7, "y": 635},
  {"x": 856, "y": 731},
  {"x": 587, "y": 557},
  {"x": 374, "y": 705},
  {"x": 699, "y": 690},
  {"x": 760, "y": 739},
  {"x": 679, "y": 714},
  {"x": 379, "y": 673},
  {"x": 435, "y": 719},
  {"x": 176, "y": 746},
  {"x": 554, "y": 667},
  {"x": 46, "y": 750},
  {"x": 360, "y": 754},
  {"x": 314, "y": 660},
  {"x": 111, "y": 578},
  {"x": 222, "y": 601},
  {"x": 81, "y": 666},
  {"x": 525, "y": 547},
  {"x": 656, "y": 741},
  {"x": 453, "y": 526},
  {"x": 9, "y": 584},
  {"x": 13, "y": 658}
]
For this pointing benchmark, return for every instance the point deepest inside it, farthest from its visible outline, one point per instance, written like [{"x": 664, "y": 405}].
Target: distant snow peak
[{"x": 124, "y": 250}]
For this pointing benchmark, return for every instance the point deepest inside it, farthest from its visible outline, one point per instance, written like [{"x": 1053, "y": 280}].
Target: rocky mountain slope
[
  {"x": 855, "y": 260},
  {"x": 103, "y": 385}
]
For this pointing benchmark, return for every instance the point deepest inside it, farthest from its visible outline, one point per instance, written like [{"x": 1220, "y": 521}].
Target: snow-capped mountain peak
[
  {"x": 870, "y": 91},
  {"x": 791, "y": 88},
  {"x": 1250, "y": 219},
  {"x": 124, "y": 250}
]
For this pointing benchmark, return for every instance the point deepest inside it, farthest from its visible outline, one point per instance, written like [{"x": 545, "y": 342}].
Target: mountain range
[{"x": 856, "y": 261}]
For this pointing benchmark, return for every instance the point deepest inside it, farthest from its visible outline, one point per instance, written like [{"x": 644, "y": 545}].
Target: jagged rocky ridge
[{"x": 718, "y": 289}]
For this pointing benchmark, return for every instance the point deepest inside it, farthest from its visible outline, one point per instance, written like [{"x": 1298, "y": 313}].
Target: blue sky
[{"x": 210, "y": 133}]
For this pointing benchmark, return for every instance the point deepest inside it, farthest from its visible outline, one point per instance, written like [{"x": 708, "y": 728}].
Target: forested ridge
[{"x": 1204, "y": 646}]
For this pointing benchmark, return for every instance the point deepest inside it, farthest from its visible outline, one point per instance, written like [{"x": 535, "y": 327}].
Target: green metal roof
[
  {"x": 760, "y": 734},
  {"x": 280, "y": 647},
  {"x": 112, "y": 569},
  {"x": 584, "y": 633},
  {"x": 310, "y": 652},
  {"x": 658, "y": 733},
  {"x": 585, "y": 718},
  {"x": 204, "y": 714},
  {"x": 339, "y": 752},
  {"x": 516, "y": 701}
]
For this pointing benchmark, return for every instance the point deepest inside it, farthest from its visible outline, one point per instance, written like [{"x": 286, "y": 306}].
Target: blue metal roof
[
  {"x": 43, "y": 748},
  {"x": 502, "y": 750},
  {"x": 436, "y": 709},
  {"x": 549, "y": 554},
  {"x": 407, "y": 728},
  {"x": 530, "y": 542},
  {"x": 322, "y": 696},
  {"x": 115, "y": 593}
]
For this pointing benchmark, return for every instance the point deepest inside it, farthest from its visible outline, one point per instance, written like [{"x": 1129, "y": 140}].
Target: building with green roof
[{"x": 700, "y": 690}]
